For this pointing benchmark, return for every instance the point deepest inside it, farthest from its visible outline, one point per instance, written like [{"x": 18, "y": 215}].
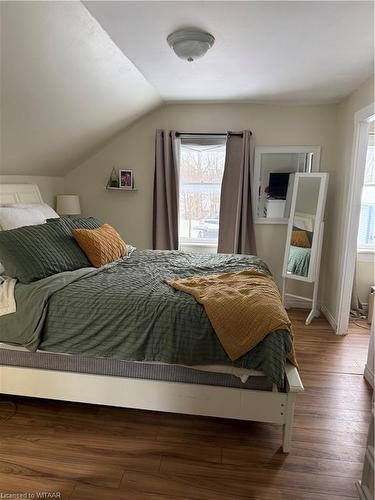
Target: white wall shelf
[{"x": 120, "y": 189}]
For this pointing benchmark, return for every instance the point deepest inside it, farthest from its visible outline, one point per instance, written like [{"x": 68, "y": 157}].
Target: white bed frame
[
  {"x": 20, "y": 193},
  {"x": 194, "y": 399}
]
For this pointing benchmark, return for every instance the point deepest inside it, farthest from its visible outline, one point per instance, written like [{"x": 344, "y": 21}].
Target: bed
[{"x": 120, "y": 346}]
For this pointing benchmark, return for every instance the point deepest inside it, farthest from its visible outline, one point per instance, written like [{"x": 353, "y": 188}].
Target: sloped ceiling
[{"x": 65, "y": 87}]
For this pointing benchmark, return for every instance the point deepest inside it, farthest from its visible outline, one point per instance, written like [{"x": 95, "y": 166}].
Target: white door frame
[{"x": 362, "y": 119}]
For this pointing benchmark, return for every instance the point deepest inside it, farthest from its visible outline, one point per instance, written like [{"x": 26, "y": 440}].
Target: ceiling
[
  {"x": 74, "y": 74},
  {"x": 65, "y": 87},
  {"x": 313, "y": 52}
]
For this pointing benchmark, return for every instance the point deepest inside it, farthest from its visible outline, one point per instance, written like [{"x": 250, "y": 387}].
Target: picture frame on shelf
[{"x": 126, "y": 179}]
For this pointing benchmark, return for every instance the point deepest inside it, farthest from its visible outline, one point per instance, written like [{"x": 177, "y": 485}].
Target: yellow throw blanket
[{"x": 243, "y": 307}]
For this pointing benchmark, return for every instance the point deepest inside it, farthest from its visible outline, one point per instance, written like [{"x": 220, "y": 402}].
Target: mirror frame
[
  {"x": 319, "y": 219},
  {"x": 258, "y": 151}
]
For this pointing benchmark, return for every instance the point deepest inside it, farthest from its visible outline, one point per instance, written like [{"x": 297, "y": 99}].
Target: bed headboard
[{"x": 20, "y": 193}]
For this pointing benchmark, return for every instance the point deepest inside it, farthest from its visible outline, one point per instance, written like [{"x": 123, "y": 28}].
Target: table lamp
[{"x": 68, "y": 204}]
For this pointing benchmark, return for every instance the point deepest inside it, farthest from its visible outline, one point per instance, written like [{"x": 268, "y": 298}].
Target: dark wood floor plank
[
  {"x": 68, "y": 468},
  {"x": 21, "y": 485},
  {"x": 263, "y": 433},
  {"x": 248, "y": 476},
  {"x": 340, "y": 452},
  {"x": 129, "y": 453},
  {"x": 185, "y": 487},
  {"x": 145, "y": 486},
  {"x": 252, "y": 458},
  {"x": 87, "y": 492}
]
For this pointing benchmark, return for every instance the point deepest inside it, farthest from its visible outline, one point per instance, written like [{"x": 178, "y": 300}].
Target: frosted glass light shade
[
  {"x": 190, "y": 44},
  {"x": 68, "y": 204}
]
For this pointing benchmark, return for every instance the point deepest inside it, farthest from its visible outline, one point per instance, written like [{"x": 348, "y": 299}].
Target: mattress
[
  {"x": 131, "y": 369},
  {"x": 241, "y": 373}
]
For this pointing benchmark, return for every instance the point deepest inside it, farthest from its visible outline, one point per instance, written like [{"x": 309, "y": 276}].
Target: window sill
[
  {"x": 198, "y": 248},
  {"x": 192, "y": 244},
  {"x": 271, "y": 220},
  {"x": 365, "y": 255}
]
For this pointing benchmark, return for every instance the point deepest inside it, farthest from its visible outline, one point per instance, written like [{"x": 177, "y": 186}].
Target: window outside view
[
  {"x": 201, "y": 174},
  {"x": 366, "y": 233}
]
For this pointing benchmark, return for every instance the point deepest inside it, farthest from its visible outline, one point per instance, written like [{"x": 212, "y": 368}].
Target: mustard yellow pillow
[
  {"x": 300, "y": 239},
  {"x": 101, "y": 245}
]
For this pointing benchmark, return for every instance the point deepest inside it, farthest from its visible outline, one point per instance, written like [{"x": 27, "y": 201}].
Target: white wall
[
  {"x": 338, "y": 193},
  {"x": 130, "y": 212},
  {"x": 365, "y": 278},
  {"x": 49, "y": 186}
]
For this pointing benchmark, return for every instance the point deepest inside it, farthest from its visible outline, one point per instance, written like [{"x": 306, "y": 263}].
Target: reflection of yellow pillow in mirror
[{"x": 300, "y": 239}]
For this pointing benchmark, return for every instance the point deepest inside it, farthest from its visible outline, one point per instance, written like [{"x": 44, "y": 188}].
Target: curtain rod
[{"x": 221, "y": 134}]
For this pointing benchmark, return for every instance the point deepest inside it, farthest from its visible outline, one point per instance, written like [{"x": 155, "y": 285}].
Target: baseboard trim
[
  {"x": 297, "y": 303},
  {"x": 330, "y": 317},
  {"x": 369, "y": 376}
]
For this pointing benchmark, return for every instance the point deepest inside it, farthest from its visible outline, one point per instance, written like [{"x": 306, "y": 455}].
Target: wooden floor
[{"x": 87, "y": 452}]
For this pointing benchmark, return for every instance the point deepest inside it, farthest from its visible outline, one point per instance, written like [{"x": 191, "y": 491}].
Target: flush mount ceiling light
[{"x": 190, "y": 44}]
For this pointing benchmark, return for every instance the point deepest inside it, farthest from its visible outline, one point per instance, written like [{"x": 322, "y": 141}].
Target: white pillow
[
  {"x": 46, "y": 210},
  {"x": 11, "y": 217}
]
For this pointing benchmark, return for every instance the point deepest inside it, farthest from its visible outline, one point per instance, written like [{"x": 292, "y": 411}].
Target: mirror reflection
[
  {"x": 302, "y": 235},
  {"x": 276, "y": 179}
]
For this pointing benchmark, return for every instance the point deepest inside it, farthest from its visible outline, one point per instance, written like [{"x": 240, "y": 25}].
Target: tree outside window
[{"x": 201, "y": 174}]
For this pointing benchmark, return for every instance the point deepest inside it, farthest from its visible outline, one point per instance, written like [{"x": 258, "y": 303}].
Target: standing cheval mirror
[{"x": 305, "y": 235}]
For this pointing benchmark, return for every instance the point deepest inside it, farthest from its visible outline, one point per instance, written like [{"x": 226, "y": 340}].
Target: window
[
  {"x": 201, "y": 173},
  {"x": 366, "y": 232}
]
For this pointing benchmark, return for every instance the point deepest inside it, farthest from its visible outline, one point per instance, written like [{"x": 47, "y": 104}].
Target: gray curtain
[
  {"x": 165, "y": 203},
  {"x": 236, "y": 231}
]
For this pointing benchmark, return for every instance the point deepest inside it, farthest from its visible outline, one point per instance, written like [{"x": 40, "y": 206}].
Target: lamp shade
[{"x": 68, "y": 204}]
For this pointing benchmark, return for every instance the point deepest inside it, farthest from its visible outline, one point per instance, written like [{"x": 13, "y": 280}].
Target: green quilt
[
  {"x": 125, "y": 311},
  {"x": 299, "y": 260}
]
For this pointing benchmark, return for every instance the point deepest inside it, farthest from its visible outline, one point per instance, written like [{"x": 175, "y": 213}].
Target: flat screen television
[{"x": 278, "y": 185}]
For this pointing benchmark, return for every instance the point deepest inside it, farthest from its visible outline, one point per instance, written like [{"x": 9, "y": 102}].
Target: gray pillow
[
  {"x": 31, "y": 253},
  {"x": 78, "y": 222}
]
